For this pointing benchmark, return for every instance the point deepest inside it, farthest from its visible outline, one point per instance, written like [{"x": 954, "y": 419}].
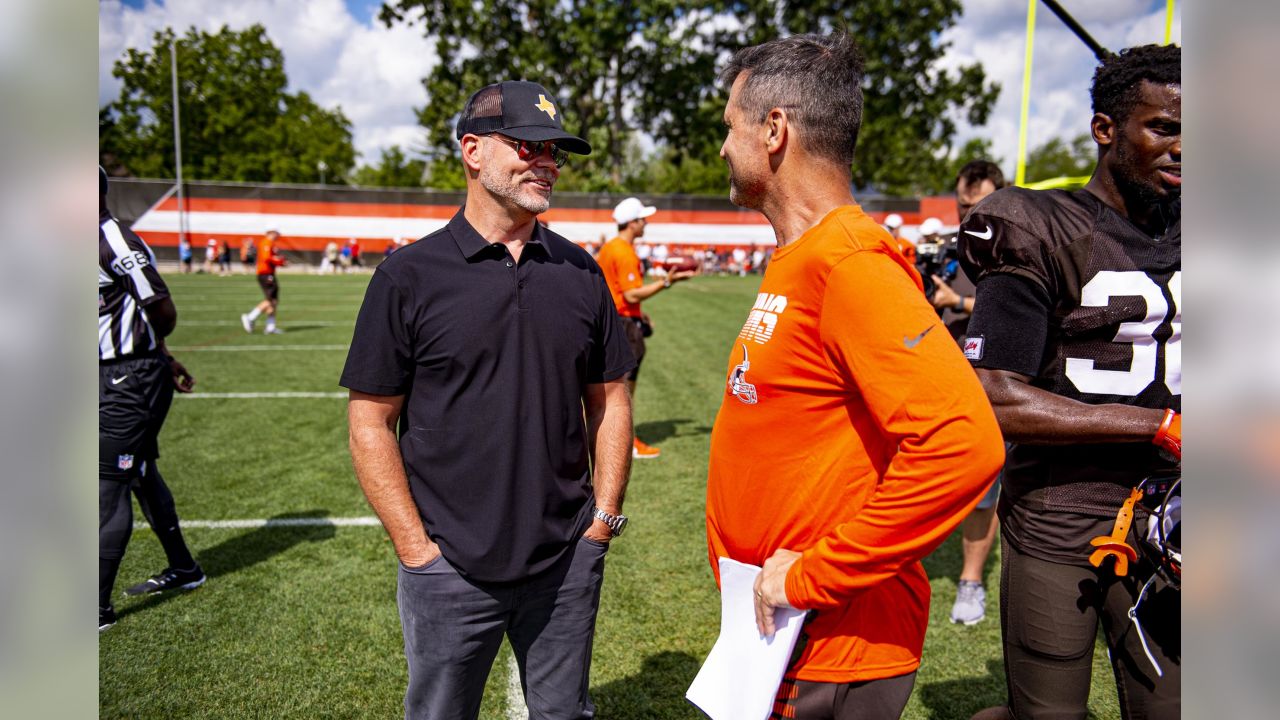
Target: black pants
[
  {"x": 883, "y": 699},
  {"x": 133, "y": 401},
  {"x": 1049, "y": 615}
]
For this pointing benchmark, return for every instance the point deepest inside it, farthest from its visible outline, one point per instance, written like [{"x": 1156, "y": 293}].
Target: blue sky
[{"x": 338, "y": 52}]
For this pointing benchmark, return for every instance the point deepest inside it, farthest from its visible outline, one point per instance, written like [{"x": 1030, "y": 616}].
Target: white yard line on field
[
  {"x": 292, "y": 321},
  {"x": 252, "y": 348},
  {"x": 516, "y": 708},
  {"x": 258, "y": 395},
  {"x": 253, "y": 524}
]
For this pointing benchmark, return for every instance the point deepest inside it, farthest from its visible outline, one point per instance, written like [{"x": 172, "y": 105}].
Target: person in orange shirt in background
[
  {"x": 852, "y": 437},
  {"x": 268, "y": 261},
  {"x": 625, "y": 276},
  {"x": 893, "y": 223}
]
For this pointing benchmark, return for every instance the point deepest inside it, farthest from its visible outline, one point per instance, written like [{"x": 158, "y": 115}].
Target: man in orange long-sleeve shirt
[
  {"x": 896, "y": 440},
  {"x": 268, "y": 261}
]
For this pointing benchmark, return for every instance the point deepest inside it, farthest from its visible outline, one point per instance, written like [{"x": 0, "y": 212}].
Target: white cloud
[
  {"x": 993, "y": 32},
  {"x": 371, "y": 71},
  {"x": 374, "y": 73}
]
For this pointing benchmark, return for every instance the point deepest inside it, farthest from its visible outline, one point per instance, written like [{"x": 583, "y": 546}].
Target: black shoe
[
  {"x": 106, "y": 618},
  {"x": 170, "y": 579}
]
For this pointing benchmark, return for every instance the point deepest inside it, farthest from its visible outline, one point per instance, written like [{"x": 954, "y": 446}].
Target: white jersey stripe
[
  {"x": 111, "y": 231},
  {"x": 126, "y": 326},
  {"x": 106, "y": 348}
]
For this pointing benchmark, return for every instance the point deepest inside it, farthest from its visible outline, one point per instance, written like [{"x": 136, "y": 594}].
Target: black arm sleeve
[{"x": 1010, "y": 324}]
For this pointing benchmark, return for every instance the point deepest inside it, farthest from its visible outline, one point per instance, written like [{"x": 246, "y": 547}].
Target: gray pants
[{"x": 453, "y": 628}]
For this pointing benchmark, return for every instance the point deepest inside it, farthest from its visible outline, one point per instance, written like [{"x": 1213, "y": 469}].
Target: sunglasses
[{"x": 529, "y": 149}]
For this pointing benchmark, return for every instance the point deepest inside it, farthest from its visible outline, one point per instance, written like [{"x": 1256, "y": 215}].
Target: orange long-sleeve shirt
[
  {"x": 622, "y": 271},
  {"x": 268, "y": 258},
  {"x": 851, "y": 430}
]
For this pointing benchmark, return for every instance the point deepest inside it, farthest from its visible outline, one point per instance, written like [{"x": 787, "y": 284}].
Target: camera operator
[
  {"x": 953, "y": 296},
  {"x": 938, "y": 264},
  {"x": 976, "y": 180}
]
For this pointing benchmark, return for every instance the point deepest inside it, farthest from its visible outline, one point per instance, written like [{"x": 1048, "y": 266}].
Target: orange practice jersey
[
  {"x": 908, "y": 249},
  {"x": 851, "y": 430},
  {"x": 622, "y": 271},
  {"x": 268, "y": 260}
]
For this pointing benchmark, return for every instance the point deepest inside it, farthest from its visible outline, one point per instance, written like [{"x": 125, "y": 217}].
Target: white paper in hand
[{"x": 741, "y": 675}]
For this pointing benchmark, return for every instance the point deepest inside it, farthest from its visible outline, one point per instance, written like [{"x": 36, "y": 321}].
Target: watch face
[{"x": 622, "y": 525}]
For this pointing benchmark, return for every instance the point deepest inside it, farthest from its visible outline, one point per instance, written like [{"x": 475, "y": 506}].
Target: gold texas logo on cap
[{"x": 545, "y": 106}]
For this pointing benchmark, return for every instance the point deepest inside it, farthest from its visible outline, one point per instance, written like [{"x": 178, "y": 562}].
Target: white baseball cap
[
  {"x": 931, "y": 226},
  {"x": 894, "y": 220},
  {"x": 632, "y": 209}
]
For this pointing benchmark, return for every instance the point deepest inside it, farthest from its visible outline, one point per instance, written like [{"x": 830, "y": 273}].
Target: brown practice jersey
[{"x": 1074, "y": 295}]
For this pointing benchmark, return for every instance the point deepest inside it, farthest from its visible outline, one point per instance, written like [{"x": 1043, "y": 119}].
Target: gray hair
[{"x": 816, "y": 78}]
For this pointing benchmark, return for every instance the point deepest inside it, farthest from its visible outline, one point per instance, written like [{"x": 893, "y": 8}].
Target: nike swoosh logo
[
  {"x": 985, "y": 235},
  {"x": 912, "y": 342},
  {"x": 117, "y": 381}
]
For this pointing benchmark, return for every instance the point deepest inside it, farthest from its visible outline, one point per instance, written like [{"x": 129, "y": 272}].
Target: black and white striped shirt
[{"x": 127, "y": 282}]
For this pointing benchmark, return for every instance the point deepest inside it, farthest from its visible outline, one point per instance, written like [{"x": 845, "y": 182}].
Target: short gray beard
[{"x": 508, "y": 188}]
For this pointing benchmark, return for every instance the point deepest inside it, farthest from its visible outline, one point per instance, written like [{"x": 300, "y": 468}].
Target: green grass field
[{"x": 301, "y": 622}]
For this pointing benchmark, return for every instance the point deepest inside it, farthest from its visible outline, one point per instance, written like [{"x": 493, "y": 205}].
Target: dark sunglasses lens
[{"x": 529, "y": 149}]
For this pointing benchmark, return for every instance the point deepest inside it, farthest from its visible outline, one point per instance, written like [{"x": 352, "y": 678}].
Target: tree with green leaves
[
  {"x": 394, "y": 169},
  {"x": 1058, "y": 158},
  {"x": 650, "y": 66},
  {"x": 237, "y": 120}
]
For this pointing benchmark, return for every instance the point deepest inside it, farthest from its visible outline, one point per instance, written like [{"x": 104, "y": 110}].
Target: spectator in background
[
  {"x": 210, "y": 255},
  {"x": 893, "y": 223},
  {"x": 757, "y": 259},
  {"x": 852, "y": 437},
  {"x": 930, "y": 231},
  {"x": 976, "y": 180},
  {"x": 184, "y": 254},
  {"x": 329, "y": 260},
  {"x": 644, "y": 251},
  {"x": 224, "y": 258},
  {"x": 344, "y": 257},
  {"x": 622, "y": 271},
  {"x": 268, "y": 261},
  {"x": 248, "y": 254},
  {"x": 354, "y": 244}
]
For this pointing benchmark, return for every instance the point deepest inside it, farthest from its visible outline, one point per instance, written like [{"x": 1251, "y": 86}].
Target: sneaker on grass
[
  {"x": 641, "y": 451},
  {"x": 106, "y": 618},
  {"x": 170, "y": 579},
  {"x": 971, "y": 603},
  {"x": 246, "y": 323}
]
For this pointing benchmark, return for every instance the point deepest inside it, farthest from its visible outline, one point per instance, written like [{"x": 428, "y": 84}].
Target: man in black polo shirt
[{"x": 491, "y": 426}]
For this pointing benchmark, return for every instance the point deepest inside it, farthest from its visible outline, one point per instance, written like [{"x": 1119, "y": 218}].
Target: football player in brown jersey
[{"x": 1076, "y": 337}]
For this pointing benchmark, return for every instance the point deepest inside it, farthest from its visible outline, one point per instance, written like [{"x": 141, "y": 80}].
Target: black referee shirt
[
  {"x": 494, "y": 358},
  {"x": 127, "y": 282}
]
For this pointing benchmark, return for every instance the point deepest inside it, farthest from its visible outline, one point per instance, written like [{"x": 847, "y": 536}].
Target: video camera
[{"x": 941, "y": 259}]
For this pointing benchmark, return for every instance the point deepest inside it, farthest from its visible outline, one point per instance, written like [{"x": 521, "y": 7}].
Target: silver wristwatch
[{"x": 616, "y": 523}]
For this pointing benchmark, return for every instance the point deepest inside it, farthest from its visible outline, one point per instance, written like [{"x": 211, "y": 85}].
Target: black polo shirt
[{"x": 494, "y": 358}]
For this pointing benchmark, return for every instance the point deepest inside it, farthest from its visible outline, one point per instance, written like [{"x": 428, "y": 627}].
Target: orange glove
[{"x": 1169, "y": 436}]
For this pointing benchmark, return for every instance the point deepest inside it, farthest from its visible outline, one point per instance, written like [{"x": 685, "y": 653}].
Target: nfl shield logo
[{"x": 125, "y": 462}]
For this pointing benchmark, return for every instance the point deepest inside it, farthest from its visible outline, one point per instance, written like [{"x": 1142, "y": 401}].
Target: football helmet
[{"x": 1161, "y": 543}]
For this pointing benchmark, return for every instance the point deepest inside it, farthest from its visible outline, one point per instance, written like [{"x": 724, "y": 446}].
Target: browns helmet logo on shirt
[{"x": 738, "y": 385}]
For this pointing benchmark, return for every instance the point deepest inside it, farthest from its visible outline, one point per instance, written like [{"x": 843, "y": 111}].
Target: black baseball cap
[{"x": 520, "y": 110}]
